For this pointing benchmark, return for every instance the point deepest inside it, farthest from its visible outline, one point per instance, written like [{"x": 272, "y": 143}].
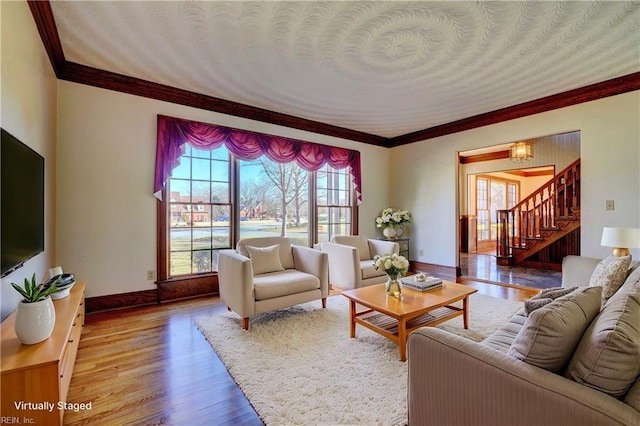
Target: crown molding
[
  {"x": 616, "y": 86},
  {"x": 82, "y": 74}
]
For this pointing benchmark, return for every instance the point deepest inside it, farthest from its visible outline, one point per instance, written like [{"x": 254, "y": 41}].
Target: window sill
[{"x": 187, "y": 278}]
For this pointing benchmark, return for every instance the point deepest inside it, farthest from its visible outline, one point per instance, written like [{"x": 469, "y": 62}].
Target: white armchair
[
  {"x": 351, "y": 260},
  {"x": 269, "y": 273}
]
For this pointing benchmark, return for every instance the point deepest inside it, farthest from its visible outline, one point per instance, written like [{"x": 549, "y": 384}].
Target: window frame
[
  {"x": 487, "y": 193},
  {"x": 163, "y": 221}
]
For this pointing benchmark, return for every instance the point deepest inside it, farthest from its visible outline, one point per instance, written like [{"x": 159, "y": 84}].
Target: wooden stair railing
[{"x": 540, "y": 219}]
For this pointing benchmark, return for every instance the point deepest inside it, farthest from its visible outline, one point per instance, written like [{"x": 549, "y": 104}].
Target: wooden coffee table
[{"x": 396, "y": 319}]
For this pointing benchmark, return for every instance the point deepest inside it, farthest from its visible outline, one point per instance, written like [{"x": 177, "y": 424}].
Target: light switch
[{"x": 610, "y": 205}]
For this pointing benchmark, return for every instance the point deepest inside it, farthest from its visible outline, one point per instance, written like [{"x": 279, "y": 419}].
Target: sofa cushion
[
  {"x": 265, "y": 259},
  {"x": 551, "y": 333},
  {"x": 278, "y": 284},
  {"x": 633, "y": 396},
  {"x": 502, "y": 338},
  {"x": 609, "y": 274},
  {"x": 608, "y": 355}
]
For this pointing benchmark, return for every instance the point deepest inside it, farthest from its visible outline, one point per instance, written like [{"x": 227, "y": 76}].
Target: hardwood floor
[{"x": 151, "y": 365}]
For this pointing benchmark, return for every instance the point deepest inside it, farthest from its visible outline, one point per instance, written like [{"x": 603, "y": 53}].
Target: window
[
  {"x": 274, "y": 200},
  {"x": 334, "y": 203},
  {"x": 482, "y": 208},
  {"x": 205, "y": 211},
  {"x": 199, "y": 196},
  {"x": 493, "y": 194}
]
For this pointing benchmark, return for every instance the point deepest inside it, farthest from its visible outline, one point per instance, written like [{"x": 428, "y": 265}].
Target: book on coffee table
[{"x": 429, "y": 283}]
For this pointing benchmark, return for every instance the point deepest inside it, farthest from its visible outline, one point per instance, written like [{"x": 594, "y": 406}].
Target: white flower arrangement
[
  {"x": 390, "y": 218},
  {"x": 393, "y": 265}
]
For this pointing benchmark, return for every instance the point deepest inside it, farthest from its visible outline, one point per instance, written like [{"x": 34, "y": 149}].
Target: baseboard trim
[
  {"x": 187, "y": 288},
  {"x": 167, "y": 291},
  {"x": 449, "y": 273},
  {"x": 121, "y": 300}
]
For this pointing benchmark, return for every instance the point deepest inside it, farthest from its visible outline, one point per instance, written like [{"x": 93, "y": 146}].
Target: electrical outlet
[
  {"x": 421, "y": 252},
  {"x": 151, "y": 275},
  {"x": 610, "y": 205}
]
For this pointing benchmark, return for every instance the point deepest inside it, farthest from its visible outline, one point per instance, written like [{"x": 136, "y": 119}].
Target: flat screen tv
[{"x": 21, "y": 203}]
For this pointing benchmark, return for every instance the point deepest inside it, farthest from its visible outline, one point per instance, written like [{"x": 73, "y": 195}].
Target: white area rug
[{"x": 299, "y": 366}]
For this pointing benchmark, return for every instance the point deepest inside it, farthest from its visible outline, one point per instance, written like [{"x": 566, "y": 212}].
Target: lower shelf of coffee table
[{"x": 383, "y": 323}]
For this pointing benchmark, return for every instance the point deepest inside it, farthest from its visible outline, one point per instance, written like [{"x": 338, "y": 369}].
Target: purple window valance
[{"x": 173, "y": 133}]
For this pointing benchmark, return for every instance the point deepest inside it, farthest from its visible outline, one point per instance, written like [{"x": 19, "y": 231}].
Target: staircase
[{"x": 544, "y": 217}]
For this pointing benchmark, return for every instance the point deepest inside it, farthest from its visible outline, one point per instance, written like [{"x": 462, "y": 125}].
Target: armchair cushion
[
  {"x": 360, "y": 242},
  {"x": 551, "y": 333},
  {"x": 369, "y": 270},
  {"x": 278, "y": 284},
  {"x": 265, "y": 259},
  {"x": 382, "y": 247}
]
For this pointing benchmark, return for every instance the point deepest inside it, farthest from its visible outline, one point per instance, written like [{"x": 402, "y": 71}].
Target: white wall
[
  {"x": 106, "y": 156},
  {"x": 29, "y": 113},
  {"x": 425, "y": 173}
]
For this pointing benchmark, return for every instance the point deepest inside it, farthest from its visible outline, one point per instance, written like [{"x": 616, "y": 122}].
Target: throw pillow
[
  {"x": 550, "y": 334},
  {"x": 607, "y": 357},
  {"x": 631, "y": 284},
  {"x": 609, "y": 274},
  {"x": 533, "y": 304},
  {"x": 265, "y": 259},
  {"x": 545, "y": 297},
  {"x": 554, "y": 293}
]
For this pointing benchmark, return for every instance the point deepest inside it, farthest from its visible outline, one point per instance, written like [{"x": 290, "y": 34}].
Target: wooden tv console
[{"x": 35, "y": 378}]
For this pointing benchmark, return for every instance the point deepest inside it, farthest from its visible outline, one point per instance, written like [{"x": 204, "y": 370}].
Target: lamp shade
[{"x": 620, "y": 237}]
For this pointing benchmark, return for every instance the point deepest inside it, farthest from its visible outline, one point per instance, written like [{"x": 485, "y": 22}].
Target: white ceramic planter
[{"x": 35, "y": 321}]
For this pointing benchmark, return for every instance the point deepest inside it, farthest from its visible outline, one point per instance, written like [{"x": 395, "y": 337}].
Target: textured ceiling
[{"x": 384, "y": 68}]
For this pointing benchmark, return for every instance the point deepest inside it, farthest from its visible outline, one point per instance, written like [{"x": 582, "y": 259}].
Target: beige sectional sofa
[{"x": 455, "y": 381}]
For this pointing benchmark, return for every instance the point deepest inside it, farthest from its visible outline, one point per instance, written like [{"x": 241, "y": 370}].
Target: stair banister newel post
[{"x": 502, "y": 238}]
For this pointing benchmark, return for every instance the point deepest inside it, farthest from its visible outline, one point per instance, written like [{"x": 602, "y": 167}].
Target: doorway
[{"x": 489, "y": 181}]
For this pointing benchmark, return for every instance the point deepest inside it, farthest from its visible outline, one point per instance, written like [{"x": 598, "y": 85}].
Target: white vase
[
  {"x": 35, "y": 321},
  {"x": 390, "y": 232}
]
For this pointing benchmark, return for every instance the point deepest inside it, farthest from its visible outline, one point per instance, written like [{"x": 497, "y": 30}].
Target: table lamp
[{"x": 621, "y": 239}]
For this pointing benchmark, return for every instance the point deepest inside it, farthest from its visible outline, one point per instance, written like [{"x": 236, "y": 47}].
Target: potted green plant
[{"x": 36, "y": 315}]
